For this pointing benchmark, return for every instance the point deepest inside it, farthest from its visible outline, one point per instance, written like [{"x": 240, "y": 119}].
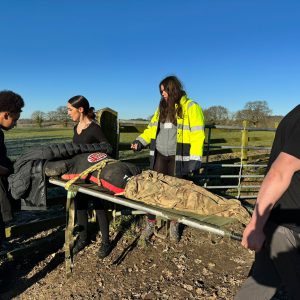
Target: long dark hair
[
  {"x": 167, "y": 110},
  {"x": 81, "y": 101}
]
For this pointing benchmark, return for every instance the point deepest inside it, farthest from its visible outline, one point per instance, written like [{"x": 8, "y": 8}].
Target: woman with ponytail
[{"x": 88, "y": 131}]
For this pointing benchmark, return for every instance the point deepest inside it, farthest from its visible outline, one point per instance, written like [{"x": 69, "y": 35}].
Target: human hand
[
  {"x": 253, "y": 238},
  {"x": 194, "y": 167},
  {"x": 133, "y": 147},
  {"x": 136, "y": 146}
]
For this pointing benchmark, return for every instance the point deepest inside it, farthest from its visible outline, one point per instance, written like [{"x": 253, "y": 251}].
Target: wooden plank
[
  {"x": 48, "y": 244},
  {"x": 218, "y": 151},
  {"x": 108, "y": 120},
  {"x": 34, "y": 227},
  {"x": 132, "y": 128},
  {"x": 225, "y": 141},
  {"x": 258, "y": 139}
]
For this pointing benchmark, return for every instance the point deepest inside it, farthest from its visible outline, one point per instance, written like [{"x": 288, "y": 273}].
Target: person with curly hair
[{"x": 11, "y": 105}]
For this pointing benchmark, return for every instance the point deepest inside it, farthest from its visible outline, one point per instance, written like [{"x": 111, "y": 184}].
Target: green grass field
[
  {"x": 29, "y": 132},
  {"x": 22, "y": 138},
  {"x": 230, "y": 137}
]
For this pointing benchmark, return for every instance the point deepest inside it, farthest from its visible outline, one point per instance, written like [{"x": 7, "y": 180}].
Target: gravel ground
[{"x": 200, "y": 266}]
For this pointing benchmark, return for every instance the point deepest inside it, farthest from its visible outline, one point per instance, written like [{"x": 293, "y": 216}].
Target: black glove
[
  {"x": 139, "y": 145},
  {"x": 194, "y": 167}
]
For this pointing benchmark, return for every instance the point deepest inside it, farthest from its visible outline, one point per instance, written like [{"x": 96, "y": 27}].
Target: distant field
[
  {"x": 20, "y": 139},
  {"x": 257, "y": 138},
  {"x": 25, "y": 133},
  {"x": 233, "y": 137}
]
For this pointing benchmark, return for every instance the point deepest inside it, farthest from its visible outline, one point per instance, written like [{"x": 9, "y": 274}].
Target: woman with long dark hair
[
  {"x": 176, "y": 137},
  {"x": 88, "y": 131}
]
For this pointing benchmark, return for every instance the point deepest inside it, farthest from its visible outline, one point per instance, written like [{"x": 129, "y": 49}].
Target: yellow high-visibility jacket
[{"x": 190, "y": 137}]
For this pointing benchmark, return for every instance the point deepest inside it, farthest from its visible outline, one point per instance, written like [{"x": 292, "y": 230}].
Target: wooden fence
[
  {"x": 233, "y": 165},
  {"x": 234, "y": 159},
  {"x": 233, "y": 162}
]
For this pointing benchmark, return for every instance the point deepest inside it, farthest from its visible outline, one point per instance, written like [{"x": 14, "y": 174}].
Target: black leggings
[
  {"x": 5, "y": 207},
  {"x": 2, "y": 230},
  {"x": 82, "y": 202},
  {"x": 165, "y": 165}
]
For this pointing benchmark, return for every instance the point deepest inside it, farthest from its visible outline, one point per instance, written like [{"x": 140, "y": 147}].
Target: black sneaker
[
  {"x": 4, "y": 246},
  {"x": 174, "y": 232},
  {"x": 79, "y": 245},
  {"x": 104, "y": 250}
]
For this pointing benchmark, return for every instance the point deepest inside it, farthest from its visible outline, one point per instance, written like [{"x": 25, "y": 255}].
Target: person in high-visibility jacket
[{"x": 176, "y": 137}]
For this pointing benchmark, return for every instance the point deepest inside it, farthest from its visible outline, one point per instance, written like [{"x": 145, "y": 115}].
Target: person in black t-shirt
[
  {"x": 87, "y": 131},
  {"x": 274, "y": 230},
  {"x": 10, "y": 109}
]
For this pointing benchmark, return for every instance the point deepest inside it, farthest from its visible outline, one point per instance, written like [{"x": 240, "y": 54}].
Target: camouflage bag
[{"x": 170, "y": 192}]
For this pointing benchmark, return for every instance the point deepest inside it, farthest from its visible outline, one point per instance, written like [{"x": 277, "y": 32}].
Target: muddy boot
[
  {"x": 55, "y": 168},
  {"x": 79, "y": 245},
  {"x": 174, "y": 231},
  {"x": 146, "y": 234},
  {"x": 83, "y": 239},
  {"x": 4, "y": 246},
  {"x": 104, "y": 249}
]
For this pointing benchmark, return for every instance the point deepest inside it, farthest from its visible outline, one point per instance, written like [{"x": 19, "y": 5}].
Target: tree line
[
  {"x": 257, "y": 113},
  {"x": 58, "y": 116}
]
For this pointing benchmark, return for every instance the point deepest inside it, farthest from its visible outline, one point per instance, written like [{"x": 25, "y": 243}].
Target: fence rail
[
  {"x": 226, "y": 164},
  {"x": 230, "y": 174},
  {"x": 241, "y": 145}
]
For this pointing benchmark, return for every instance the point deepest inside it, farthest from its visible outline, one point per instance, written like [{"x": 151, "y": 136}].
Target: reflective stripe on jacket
[{"x": 190, "y": 137}]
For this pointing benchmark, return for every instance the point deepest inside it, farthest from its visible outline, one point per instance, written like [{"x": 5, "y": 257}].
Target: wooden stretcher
[{"x": 212, "y": 224}]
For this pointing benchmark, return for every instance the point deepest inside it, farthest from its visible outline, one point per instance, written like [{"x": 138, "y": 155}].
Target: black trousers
[
  {"x": 82, "y": 203},
  {"x": 5, "y": 206},
  {"x": 2, "y": 230},
  {"x": 5, "y": 200},
  {"x": 165, "y": 165}
]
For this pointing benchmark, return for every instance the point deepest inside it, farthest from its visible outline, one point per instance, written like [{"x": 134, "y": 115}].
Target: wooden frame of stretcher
[{"x": 187, "y": 219}]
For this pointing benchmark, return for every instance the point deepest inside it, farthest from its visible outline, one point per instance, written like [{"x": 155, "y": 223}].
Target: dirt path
[{"x": 201, "y": 266}]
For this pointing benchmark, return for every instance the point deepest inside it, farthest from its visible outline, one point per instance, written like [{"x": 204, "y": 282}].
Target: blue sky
[{"x": 115, "y": 52}]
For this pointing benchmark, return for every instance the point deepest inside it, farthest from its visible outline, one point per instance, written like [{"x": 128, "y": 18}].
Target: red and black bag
[{"x": 113, "y": 176}]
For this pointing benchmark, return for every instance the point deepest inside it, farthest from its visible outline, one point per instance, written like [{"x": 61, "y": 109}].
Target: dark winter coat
[{"x": 28, "y": 181}]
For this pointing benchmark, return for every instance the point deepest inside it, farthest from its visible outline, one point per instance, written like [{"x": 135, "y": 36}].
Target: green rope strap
[
  {"x": 98, "y": 166},
  {"x": 70, "y": 222},
  {"x": 70, "y": 210}
]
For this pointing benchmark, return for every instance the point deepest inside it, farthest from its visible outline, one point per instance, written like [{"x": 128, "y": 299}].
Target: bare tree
[
  {"x": 255, "y": 112},
  {"x": 62, "y": 115},
  {"x": 52, "y": 116},
  {"x": 216, "y": 115},
  {"x": 38, "y": 117}
]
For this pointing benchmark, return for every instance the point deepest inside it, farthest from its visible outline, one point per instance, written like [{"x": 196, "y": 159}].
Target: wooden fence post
[
  {"x": 275, "y": 126},
  {"x": 244, "y": 150},
  {"x": 108, "y": 120}
]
